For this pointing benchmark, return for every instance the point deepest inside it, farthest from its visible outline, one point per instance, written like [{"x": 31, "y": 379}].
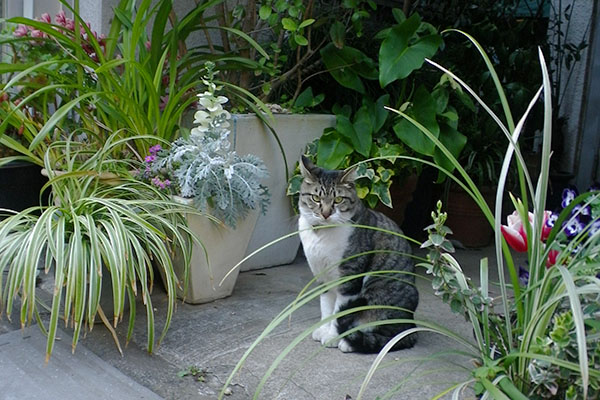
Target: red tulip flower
[
  {"x": 552, "y": 256},
  {"x": 514, "y": 232}
]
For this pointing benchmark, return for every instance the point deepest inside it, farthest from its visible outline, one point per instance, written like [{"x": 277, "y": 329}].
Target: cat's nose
[{"x": 326, "y": 213}]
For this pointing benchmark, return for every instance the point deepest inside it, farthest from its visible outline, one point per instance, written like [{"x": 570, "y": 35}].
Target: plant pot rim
[{"x": 19, "y": 164}]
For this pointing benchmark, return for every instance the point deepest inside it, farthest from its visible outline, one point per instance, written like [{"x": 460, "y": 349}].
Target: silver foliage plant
[{"x": 205, "y": 168}]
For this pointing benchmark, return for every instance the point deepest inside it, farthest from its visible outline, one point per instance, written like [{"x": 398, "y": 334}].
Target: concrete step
[{"x": 83, "y": 375}]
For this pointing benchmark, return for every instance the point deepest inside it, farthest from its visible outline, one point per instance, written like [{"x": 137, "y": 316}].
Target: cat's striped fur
[{"x": 328, "y": 197}]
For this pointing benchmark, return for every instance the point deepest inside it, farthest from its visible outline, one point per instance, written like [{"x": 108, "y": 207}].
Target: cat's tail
[{"x": 374, "y": 340}]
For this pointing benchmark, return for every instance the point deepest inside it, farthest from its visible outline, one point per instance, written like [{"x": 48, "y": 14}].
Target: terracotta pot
[
  {"x": 401, "y": 193},
  {"x": 466, "y": 219}
]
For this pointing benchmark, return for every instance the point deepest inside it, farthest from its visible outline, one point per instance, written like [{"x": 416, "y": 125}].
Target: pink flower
[
  {"x": 164, "y": 100},
  {"x": 46, "y": 18},
  {"x": 150, "y": 159},
  {"x": 69, "y": 24},
  {"x": 148, "y": 45},
  {"x": 552, "y": 256},
  {"x": 21, "y": 31},
  {"x": 514, "y": 233},
  {"x": 61, "y": 19}
]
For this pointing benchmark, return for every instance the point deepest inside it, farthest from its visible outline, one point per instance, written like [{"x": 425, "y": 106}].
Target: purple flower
[
  {"x": 523, "y": 276},
  {"x": 154, "y": 149},
  {"x": 150, "y": 159},
  {"x": 582, "y": 210},
  {"x": 594, "y": 227},
  {"x": 156, "y": 181},
  {"x": 573, "y": 227},
  {"x": 568, "y": 195},
  {"x": 551, "y": 220},
  {"x": 595, "y": 187}
]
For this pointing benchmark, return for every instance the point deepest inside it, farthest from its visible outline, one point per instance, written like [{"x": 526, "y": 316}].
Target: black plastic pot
[{"x": 20, "y": 185}]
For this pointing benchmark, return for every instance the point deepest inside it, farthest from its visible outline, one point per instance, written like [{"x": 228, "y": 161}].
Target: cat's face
[{"x": 326, "y": 196}]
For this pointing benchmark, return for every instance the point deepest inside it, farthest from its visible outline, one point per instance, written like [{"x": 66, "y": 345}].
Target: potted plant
[
  {"x": 96, "y": 241},
  {"x": 202, "y": 170},
  {"x": 366, "y": 133}
]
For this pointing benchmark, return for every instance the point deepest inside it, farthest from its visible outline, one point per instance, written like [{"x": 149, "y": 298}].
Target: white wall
[
  {"x": 575, "y": 87},
  {"x": 588, "y": 155}
]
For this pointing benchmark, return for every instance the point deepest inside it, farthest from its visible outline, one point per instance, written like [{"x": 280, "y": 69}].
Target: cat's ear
[
  {"x": 308, "y": 169},
  {"x": 350, "y": 174}
]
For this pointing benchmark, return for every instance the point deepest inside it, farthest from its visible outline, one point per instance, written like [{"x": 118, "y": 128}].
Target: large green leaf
[
  {"x": 400, "y": 55},
  {"x": 347, "y": 65},
  {"x": 332, "y": 150},
  {"x": 363, "y": 128},
  {"x": 379, "y": 113},
  {"x": 357, "y": 133},
  {"x": 424, "y": 111},
  {"x": 454, "y": 142}
]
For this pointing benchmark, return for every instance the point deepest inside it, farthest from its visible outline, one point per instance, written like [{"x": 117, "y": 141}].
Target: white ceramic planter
[
  {"x": 250, "y": 135},
  {"x": 225, "y": 247}
]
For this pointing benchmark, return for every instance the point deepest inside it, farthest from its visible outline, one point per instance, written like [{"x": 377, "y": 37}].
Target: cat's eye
[
  {"x": 338, "y": 199},
  {"x": 315, "y": 198}
]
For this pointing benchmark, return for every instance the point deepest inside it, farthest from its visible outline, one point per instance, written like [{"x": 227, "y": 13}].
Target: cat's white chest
[{"x": 324, "y": 248}]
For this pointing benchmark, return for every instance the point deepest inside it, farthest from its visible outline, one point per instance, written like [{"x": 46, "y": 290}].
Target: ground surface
[{"x": 212, "y": 338}]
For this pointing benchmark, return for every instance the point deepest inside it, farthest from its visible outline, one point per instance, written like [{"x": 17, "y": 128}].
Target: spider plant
[{"x": 93, "y": 230}]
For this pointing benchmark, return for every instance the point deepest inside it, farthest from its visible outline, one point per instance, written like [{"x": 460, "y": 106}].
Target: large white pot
[
  {"x": 223, "y": 248},
  {"x": 250, "y": 135}
]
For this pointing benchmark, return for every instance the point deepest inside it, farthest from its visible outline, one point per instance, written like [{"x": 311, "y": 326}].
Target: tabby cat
[{"x": 328, "y": 197}]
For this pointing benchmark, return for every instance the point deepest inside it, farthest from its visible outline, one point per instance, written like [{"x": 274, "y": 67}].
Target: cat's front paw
[
  {"x": 320, "y": 332},
  {"x": 330, "y": 338},
  {"x": 345, "y": 346}
]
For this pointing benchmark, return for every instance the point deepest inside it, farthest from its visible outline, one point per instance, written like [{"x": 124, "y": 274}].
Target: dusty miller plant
[{"x": 204, "y": 167}]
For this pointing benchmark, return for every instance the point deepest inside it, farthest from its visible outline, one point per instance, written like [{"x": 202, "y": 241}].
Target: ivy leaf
[
  {"x": 382, "y": 191},
  {"x": 294, "y": 185},
  {"x": 399, "y": 54},
  {"x": 362, "y": 191}
]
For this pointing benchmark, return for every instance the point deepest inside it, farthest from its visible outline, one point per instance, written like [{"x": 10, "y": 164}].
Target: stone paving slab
[{"x": 24, "y": 374}]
